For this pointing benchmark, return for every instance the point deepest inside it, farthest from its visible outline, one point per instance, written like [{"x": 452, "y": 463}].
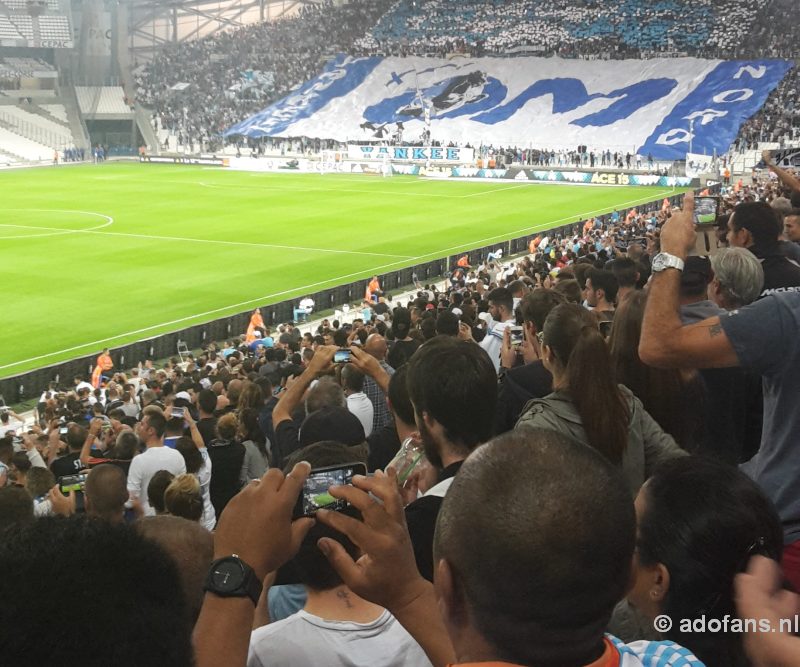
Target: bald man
[
  {"x": 106, "y": 493},
  {"x": 376, "y": 346}
]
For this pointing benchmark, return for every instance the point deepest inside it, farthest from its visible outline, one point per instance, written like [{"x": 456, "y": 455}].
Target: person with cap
[{"x": 755, "y": 226}]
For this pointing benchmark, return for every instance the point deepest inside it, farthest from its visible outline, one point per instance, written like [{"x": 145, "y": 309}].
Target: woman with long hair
[
  {"x": 256, "y": 459},
  {"x": 674, "y": 398},
  {"x": 588, "y": 405}
]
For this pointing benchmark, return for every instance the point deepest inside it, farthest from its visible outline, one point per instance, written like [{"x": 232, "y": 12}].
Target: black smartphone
[
  {"x": 63, "y": 429},
  {"x": 314, "y": 494},
  {"x": 706, "y": 210},
  {"x": 342, "y": 356}
]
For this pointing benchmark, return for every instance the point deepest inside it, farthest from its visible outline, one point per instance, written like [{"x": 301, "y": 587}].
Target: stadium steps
[
  {"x": 26, "y": 149},
  {"x": 80, "y": 133},
  {"x": 7, "y": 157},
  {"x": 143, "y": 121},
  {"x": 44, "y": 113}
]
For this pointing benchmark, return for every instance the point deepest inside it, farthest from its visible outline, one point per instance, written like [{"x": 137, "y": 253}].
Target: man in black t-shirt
[{"x": 70, "y": 463}]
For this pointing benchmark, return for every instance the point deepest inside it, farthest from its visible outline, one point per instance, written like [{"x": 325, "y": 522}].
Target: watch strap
[
  {"x": 250, "y": 587},
  {"x": 668, "y": 261}
]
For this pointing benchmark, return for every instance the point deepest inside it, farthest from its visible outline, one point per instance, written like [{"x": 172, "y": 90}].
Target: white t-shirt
[
  {"x": 305, "y": 640},
  {"x": 360, "y": 405},
  {"x": 147, "y": 464},
  {"x": 13, "y": 425},
  {"x": 203, "y": 475},
  {"x": 493, "y": 341}
]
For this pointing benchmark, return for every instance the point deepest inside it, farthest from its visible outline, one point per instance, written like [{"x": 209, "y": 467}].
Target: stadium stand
[
  {"x": 57, "y": 111},
  {"x": 35, "y": 127},
  {"x": 224, "y": 78},
  {"x": 35, "y": 24},
  {"x": 102, "y": 101},
  {"x": 198, "y": 89},
  {"x": 25, "y": 149},
  {"x": 586, "y": 439},
  {"x": 626, "y": 29}
]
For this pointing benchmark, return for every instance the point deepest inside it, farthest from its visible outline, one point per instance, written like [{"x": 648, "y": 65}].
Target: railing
[{"x": 35, "y": 132}]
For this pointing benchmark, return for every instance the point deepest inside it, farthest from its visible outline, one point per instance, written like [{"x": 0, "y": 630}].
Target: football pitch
[{"x": 94, "y": 256}]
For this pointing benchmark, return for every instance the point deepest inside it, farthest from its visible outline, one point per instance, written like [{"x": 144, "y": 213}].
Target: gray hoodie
[{"x": 647, "y": 446}]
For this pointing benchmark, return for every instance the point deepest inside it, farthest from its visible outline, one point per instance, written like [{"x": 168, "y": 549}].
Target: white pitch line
[
  {"x": 251, "y": 244},
  {"x": 194, "y": 240},
  {"x": 241, "y": 304},
  {"x": 349, "y": 190},
  {"x": 374, "y": 270},
  {"x": 491, "y": 192},
  {"x": 57, "y": 230}
]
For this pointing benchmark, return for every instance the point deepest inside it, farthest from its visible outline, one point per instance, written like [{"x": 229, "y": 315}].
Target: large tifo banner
[{"x": 656, "y": 107}]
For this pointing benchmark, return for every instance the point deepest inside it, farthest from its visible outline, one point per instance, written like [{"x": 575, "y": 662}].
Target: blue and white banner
[{"x": 658, "y": 107}]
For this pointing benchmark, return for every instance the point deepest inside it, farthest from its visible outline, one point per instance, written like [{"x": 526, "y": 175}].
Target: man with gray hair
[{"x": 738, "y": 278}]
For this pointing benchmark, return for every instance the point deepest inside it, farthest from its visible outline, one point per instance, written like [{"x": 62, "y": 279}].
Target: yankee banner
[{"x": 655, "y": 107}]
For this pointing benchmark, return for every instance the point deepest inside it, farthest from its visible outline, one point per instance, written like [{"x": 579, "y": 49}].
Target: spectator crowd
[
  {"x": 199, "y": 88},
  {"x": 572, "y": 445}
]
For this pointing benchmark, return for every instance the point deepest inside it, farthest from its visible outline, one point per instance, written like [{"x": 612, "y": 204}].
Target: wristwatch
[
  {"x": 231, "y": 577},
  {"x": 664, "y": 260}
]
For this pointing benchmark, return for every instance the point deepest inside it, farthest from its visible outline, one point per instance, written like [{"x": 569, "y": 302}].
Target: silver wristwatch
[{"x": 664, "y": 260}]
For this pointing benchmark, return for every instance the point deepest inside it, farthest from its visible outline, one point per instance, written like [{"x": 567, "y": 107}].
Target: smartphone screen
[
  {"x": 516, "y": 335},
  {"x": 341, "y": 357},
  {"x": 314, "y": 494},
  {"x": 71, "y": 483},
  {"x": 706, "y": 210},
  {"x": 178, "y": 412}
]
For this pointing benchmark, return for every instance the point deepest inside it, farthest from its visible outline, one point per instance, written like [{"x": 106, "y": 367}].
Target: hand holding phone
[
  {"x": 343, "y": 356},
  {"x": 315, "y": 496},
  {"x": 706, "y": 210}
]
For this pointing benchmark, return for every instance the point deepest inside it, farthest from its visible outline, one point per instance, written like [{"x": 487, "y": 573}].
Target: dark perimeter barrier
[{"x": 18, "y": 388}]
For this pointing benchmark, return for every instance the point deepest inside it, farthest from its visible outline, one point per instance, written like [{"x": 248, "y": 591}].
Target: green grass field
[{"x": 106, "y": 255}]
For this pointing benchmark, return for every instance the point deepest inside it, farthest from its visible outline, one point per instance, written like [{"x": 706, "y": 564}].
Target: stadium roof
[{"x": 155, "y": 23}]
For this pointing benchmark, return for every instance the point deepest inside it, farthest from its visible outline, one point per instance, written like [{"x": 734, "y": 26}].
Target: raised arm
[
  {"x": 197, "y": 439},
  {"x": 386, "y": 574},
  {"x": 786, "y": 177},
  {"x": 368, "y": 365},
  {"x": 320, "y": 363},
  {"x": 665, "y": 342}
]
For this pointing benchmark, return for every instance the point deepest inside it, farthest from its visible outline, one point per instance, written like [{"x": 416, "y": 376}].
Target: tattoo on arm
[{"x": 715, "y": 330}]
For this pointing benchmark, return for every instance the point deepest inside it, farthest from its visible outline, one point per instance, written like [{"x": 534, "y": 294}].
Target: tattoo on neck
[
  {"x": 343, "y": 595},
  {"x": 715, "y": 330}
]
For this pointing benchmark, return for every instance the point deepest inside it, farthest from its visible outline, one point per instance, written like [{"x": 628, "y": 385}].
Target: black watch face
[{"x": 227, "y": 576}]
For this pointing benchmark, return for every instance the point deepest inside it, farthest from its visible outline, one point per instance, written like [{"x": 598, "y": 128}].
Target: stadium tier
[{"x": 399, "y": 333}]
